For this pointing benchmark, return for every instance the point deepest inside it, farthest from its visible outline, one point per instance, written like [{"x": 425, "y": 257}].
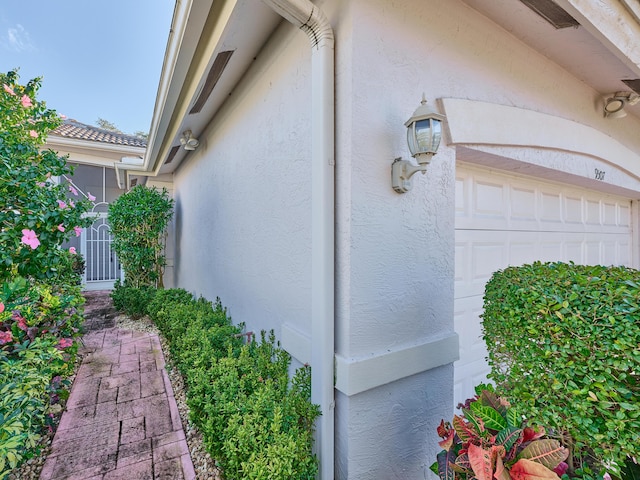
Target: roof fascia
[
  {"x": 197, "y": 29},
  {"x": 613, "y": 24}
]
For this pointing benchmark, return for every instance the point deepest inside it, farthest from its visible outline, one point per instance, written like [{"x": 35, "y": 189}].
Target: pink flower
[
  {"x": 72, "y": 250},
  {"x": 30, "y": 238},
  {"x": 90, "y": 197},
  {"x": 1, "y": 307},
  {"x": 73, "y": 190},
  {"x": 26, "y": 101},
  {"x": 8, "y": 89},
  {"x": 61, "y": 227},
  {"x": 41, "y": 184},
  {"x": 5, "y": 337},
  {"x": 72, "y": 204},
  {"x": 22, "y": 324},
  {"x": 61, "y": 204},
  {"x": 64, "y": 343},
  {"x": 62, "y": 116},
  {"x": 33, "y": 133},
  {"x": 78, "y": 231}
]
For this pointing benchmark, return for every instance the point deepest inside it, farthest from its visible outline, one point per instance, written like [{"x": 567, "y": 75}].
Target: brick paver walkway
[{"x": 121, "y": 421}]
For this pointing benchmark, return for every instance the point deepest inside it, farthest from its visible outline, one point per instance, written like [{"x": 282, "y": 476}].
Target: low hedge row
[
  {"x": 255, "y": 420},
  {"x": 564, "y": 343}
]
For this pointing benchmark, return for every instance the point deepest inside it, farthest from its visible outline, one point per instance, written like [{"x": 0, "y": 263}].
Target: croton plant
[{"x": 490, "y": 440}]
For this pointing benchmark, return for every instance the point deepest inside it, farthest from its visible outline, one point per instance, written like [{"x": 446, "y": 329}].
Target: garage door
[{"x": 504, "y": 220}]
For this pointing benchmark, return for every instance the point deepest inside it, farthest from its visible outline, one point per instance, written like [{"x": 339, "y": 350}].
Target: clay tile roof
[{"x": 74, "y": 129}]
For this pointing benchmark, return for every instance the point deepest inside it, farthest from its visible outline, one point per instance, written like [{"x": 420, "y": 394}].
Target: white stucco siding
[
  {"x": 243, "y": 199},
  {"x": 396, "y": 252}
]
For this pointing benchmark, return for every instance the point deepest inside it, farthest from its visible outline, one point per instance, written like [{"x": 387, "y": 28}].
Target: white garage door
[{"x": 504, "y": 220}]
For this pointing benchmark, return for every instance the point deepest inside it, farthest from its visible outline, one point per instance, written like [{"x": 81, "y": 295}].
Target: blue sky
[{"x": 97, "y": 59}]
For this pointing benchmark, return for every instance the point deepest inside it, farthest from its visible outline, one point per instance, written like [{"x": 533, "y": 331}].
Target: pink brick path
[{"x": 121, "y": 421}]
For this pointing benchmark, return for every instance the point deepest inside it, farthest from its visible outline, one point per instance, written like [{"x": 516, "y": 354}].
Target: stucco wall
[
  {"x": 243, "y": 198},
  {"x": 243, "y": 206}
]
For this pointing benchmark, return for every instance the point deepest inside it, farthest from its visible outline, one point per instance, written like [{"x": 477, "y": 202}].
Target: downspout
[{"x": 311, "y": 20}]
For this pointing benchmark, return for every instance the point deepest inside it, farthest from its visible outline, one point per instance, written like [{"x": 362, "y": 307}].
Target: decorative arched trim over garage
[{"x": 518, "y": 133}]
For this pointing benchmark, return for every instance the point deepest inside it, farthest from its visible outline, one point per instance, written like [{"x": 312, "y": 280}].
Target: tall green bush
[
  {"x": 38, "y": 212},
  {"x": 138, "y": 220},
  {"x": 564, "y": 340}
]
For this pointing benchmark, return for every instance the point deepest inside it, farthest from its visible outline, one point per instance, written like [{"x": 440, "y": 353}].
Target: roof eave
[
  {"x": 54, "y": 141},
  {"x": 201, "y": 32}
]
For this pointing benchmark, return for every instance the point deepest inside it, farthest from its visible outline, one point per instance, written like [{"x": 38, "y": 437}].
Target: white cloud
[{"x": 18, "y": 40}]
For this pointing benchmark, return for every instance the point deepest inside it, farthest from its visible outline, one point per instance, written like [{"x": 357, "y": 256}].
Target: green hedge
[
  {"x": 255, "y": 421},
  {"x": 564, "y": 340}
]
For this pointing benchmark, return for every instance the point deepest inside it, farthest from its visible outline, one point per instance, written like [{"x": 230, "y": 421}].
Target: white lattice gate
[{"x": 102, "y": 267}]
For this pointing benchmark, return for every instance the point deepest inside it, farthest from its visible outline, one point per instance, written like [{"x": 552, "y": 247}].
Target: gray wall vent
[
  {"x": 633, "y": 84},
  {"x": 552, "y": 13},
  {"x": 213, "y": 76}
]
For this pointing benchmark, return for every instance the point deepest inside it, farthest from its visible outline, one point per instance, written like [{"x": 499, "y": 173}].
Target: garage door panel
[
  {"x": 504, "y": 220},
  {"x": 550, "y": 208},
  {"x": 515, "y": 204},
  {"x": 624, "y": 215},
  {"x": 573, "y": 211},
  {"x": 471, "y": 367},
  {"x": 488, "y": 199},
  {"x": 524, "y": 204}
]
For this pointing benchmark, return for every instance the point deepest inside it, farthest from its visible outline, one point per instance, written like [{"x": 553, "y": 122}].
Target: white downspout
[{"x": 311, "y": 20}]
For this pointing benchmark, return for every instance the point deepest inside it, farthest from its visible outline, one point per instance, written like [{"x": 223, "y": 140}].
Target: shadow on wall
[{"x": 177, "y": 237}]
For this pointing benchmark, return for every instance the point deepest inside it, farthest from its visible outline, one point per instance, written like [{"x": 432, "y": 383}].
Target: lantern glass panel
[{"x": 423, "y": 136}]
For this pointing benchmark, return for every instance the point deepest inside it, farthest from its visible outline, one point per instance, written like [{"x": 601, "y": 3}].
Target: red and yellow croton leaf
[
  {"x": 447, "y": 442},
  {"x": 483, "y": 461},
  {"x": 525, "y": 469},
  {"x": 547, "y": 452},
  {"x": 462, "y": 462},
  {"x": 501, "y": 473},
  {"x": 445, "y": 460},
  {"x": 530, "y": 434},
  {"x": 443, "y": 429},
  {"x": 465, "y": 431}
]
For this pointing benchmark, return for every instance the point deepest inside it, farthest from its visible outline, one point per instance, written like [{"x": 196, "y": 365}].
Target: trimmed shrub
[
  {"x": 239, "y": 395},
  {"x": 130, "y": 300},
  {"x": 564, "y": 340},
  {"x": 254, "y": 420}
]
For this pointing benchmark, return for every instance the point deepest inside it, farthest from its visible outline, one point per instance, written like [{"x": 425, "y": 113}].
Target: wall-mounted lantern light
[
  {"x": 424, "y": 131},
  {"x": 188, "y": 141}
]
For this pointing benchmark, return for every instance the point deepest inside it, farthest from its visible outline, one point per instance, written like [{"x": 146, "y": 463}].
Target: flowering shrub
[
  {"x": 37, "y": 327},
  {"x": 40, "y": 298},
  {"x": 37, "y": 213}
]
